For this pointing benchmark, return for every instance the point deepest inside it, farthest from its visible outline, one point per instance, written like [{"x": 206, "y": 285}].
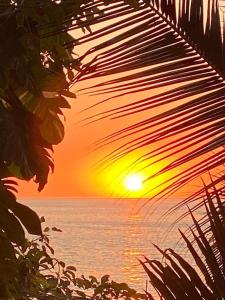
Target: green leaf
[
  {"x": 8, "y": 199},
  {"x": 54, "y": 82},
  {"x": 28, "y": 218},
  {"x": 12, "y": 227},
  {"x": 55, "y": 103},
  {"x": 52, "y": 282},
  {"x": 52, "y": 129},
  {"x": 15, "y": 170},
  {"x": 93, "y": 279}
]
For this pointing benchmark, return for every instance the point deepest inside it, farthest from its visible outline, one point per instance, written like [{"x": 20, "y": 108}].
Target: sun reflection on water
[{"x": 132, "y": 268}]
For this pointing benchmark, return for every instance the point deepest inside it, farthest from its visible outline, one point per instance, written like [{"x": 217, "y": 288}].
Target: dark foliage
[
  {"x": 38, "y": 274},
  {"x": 175, "y": 277},
  {"x": 36, "y": 70}
]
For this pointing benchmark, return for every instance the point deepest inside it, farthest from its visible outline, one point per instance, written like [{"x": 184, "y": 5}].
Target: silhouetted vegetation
[
  {"x": 203, "y": 276},
  {"x": 35, "y": 71},
  {"x": 179, "y": 57},
  {"x": 182, "y": 53},
  {"x": 38, "y": 66},
  {"x": 40, "y": 275}
]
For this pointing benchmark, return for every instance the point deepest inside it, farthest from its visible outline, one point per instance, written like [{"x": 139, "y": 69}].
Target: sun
[{"x": 133, "y": 182}]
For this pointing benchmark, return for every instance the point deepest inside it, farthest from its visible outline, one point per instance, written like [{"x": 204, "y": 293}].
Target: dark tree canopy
[
  {"x": 35, "y": 75},
  {"x": 37, "y": 67}
]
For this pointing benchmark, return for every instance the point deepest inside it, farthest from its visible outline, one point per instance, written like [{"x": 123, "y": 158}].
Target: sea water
[{"x": 109, "y": 236}]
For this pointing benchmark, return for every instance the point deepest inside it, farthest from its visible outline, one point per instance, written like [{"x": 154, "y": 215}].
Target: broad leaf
[{"x": 28, "y": 218}]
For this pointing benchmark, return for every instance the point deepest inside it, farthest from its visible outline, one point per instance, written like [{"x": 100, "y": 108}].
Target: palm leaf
[
  {"x": 161, "y": 48},
  {"x": 206, "y": 250}
]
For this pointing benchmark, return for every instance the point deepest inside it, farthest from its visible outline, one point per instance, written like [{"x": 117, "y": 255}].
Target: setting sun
[{"x": 133, "y": 182}]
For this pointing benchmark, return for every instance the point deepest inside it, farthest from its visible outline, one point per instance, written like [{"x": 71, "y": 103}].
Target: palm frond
[
  {"x": 161, "y": 48},
  {"x": 206, "y": 251}
]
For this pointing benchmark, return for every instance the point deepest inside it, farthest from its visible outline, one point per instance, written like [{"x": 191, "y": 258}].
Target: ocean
[{"x": 108, "y": 236}]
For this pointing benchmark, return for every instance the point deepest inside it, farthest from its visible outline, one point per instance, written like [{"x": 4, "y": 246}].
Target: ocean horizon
[{"x": 108, "y": 235}]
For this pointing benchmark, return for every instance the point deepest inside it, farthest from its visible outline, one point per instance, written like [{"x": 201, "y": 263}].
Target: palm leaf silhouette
[
  {"x": 169, "y": 45},
  {"x": 175, "y": 277},
  {"x": 175, "y": 48}
]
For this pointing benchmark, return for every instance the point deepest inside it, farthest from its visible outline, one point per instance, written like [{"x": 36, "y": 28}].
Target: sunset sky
[{"x": 75, "y": 173}]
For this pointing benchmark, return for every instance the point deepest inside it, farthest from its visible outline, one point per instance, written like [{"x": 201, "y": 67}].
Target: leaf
[
  {"x": 52, "y": 283},
  {"x": 104, "y": 279},
  {"x": 56, "y": 229},
  {"x": 69, "y": 274},
  {"x": 70, "y": 75},
  {"x": 8, "y": 199},
  {"x": 52, "y": 129},
  {"x": 46, "y": 229},
  {"x": 15, "y": 171},
  {"x": 7, "y": 250},
  {"x": 62, "y": 264},
  {"x": 68, "y": 94},
  {"x": 72, "y": 268},
  {"x": 81, "y": 294},
  {"x": 12, "y": 227},
  {"x": 44, "y": 166},
  {"x": 14, "y": 149},
  {"x": 53, "y": 82},
  {"x": 8, "y": 264},
  {"x": 63, "y": 103},
  {"x": 50, "y": 248},
  {"x": 28, "y": 218},
  {"x": 42, "y": 219}
]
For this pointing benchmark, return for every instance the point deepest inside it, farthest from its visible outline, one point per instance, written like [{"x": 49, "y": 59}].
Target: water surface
[{"x": 107, "y": 236}]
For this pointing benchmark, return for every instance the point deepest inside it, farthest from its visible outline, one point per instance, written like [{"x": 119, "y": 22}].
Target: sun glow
[
  {"x": 121, "y": 180},
  {"x": 133, "y": 182}
]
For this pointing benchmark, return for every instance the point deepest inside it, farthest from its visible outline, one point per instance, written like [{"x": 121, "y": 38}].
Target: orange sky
[{"x": 74, "y": 174}]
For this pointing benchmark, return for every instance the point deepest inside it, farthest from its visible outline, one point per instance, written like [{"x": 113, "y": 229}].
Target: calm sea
[{"x": 108, "y": 236}]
